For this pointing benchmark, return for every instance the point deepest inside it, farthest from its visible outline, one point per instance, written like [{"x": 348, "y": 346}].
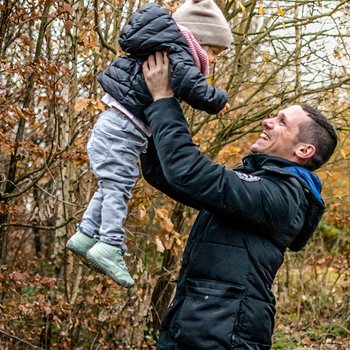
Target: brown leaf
[
  {"x": 48, "y": 282},
  {"x": 164, "y": 220},
  {"x": 68, "y": 9},
  {"x": 65, "y": 71},
  {"x": 159, "y": 244},
  {"x": 3, "y": 208},
  {"x": 28, "y": 111},
  {"x": 22, "y": 308},
  {"x": 68, "y": 25},
  {"x": 81, "y": 104},
  {"x": 47, "y": 310},
  {"x": 307, "y": 341},
  {"x": 52, "y": 68},
  {"x": 19, "y": 113},
  {"x": 17, "y": 276},
  {"x": 25, "y": 39},
  {"x": 168, "y": 242},
  {"x": 58, "y": 321}
]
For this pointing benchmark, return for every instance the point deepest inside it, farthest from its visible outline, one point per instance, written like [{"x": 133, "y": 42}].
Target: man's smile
[{"x": 264, "y": 136}]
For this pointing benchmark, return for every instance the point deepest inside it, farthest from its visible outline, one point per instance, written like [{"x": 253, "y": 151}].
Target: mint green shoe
[
  {"x": 80, "y": 243},
  {"x": 106, "y": 259}
]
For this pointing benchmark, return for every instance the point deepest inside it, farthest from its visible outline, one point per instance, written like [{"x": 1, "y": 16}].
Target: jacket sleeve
[
  {"x": 269, "y": 204},
  {"x": 153, "y": 174},
  {"x": 188, "y": 83}
]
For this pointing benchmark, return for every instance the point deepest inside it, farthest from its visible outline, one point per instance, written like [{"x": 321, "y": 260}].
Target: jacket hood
[
  {"x": 149, "y": 28},
  {"x": 310, "y": 183},
  {"x": 312, "y": 188},
  {"x": 310, "y": 178}
]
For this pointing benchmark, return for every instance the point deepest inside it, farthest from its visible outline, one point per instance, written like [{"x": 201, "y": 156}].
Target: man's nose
[{"x": 269, "y": 122}]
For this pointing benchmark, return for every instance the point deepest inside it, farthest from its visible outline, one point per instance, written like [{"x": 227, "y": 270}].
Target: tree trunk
[
  {"x": 21, "y": 125},
  {"x": 68, "y": 169}
]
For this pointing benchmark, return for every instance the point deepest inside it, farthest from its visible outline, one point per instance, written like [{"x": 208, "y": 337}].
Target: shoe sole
[
  {"x": 93, "y": 264},
  {"x": 79, "y": 254}
]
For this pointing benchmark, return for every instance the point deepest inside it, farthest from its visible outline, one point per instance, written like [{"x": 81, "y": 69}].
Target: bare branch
[
  {"x": 99, "y": 32},
  {"x": 47, "y": 228},
  {"x": 19, "y": 339}
]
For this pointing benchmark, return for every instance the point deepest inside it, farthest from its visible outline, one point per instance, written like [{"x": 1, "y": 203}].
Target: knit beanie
[{"x": 206, "y": 21}]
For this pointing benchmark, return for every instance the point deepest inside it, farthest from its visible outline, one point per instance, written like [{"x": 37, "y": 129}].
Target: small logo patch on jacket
[{"x": 247, "y": 177}]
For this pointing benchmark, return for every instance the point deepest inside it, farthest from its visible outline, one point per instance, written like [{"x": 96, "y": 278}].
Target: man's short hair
[{"x": 320, "y": 133}]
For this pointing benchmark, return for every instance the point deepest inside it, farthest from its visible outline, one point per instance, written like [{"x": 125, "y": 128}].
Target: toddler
[{"x": 193, "y": 38}]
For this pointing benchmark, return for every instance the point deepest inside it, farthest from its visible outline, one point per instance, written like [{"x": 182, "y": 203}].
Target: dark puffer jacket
[
  {"x": 248, "y": 217},
  {"x": 152, "y": 29}
]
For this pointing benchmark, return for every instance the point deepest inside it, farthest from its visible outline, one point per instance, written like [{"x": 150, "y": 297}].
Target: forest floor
[{"x": 329, "y": 336}]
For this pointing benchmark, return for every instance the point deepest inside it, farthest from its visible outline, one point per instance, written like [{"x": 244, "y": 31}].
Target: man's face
[{"x": 279, "y": 137}]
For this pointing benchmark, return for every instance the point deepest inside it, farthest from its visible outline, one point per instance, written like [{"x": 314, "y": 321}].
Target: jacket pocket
[{"x": 208, "y": 315}]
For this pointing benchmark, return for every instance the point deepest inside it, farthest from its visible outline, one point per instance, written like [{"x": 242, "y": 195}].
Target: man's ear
[{"x": 305, "y": 150}]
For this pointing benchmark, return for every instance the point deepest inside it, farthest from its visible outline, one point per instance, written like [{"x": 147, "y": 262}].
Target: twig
[
  {"x": 340, "y": 326},
  {"x": 55, "y": 197},
  {"x": 94, "y": 341},
  {"x": 21, "y": 340},
  {"x": 45, "y": 227},
  {"x": 99, "y": 32}
]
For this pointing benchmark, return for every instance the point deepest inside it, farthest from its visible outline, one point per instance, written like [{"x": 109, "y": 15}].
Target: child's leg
[
  {"x": 106, "y": 134},
  {"x": 114, "y": 211},
  {"x": 117, "y": 172},
  {"x": 87, "y": 232},
  {"x": 114, "y": 149},
  {"x": 91, "y": 222}
]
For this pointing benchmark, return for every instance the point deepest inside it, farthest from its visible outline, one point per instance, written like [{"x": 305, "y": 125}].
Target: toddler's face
[{"x": 213, "y": 53}]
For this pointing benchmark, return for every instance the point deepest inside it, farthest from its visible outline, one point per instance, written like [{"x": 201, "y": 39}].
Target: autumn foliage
[{"x": 51, "y": 52}]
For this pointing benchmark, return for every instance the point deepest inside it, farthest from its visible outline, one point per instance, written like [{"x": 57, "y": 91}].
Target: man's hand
[{"x": 155, "y": 70}]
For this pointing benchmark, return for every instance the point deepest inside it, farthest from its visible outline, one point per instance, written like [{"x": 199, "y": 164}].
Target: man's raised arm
[
  {"x": 188, "y": 173},
  {"x": 158, "y": 84}
]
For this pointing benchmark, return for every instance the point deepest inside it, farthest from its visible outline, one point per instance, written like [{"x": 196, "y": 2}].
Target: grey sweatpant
[{"x": 113, "y": 150}]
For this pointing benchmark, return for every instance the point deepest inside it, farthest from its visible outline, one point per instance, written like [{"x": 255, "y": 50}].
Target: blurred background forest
[{"x": 51, "y": 51}]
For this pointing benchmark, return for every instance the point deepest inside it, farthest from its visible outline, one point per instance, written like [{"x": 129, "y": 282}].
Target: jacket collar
[{"x": 254, "y": 162}]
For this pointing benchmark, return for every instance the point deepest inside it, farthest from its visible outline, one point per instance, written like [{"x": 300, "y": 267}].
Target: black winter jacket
[
  {"x": 152, "y": 29},
  {"x": 248, "y": 217}
]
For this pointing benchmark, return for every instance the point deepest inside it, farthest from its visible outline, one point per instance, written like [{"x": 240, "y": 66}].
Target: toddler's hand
[{"x": 223, "y": 111}]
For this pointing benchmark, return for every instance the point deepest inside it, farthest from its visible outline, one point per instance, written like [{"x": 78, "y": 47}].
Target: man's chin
[{"x": 254, "y": 149}]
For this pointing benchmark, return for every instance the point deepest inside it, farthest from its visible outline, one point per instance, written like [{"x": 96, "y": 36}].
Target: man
[{"x": 248, "y": 217}]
